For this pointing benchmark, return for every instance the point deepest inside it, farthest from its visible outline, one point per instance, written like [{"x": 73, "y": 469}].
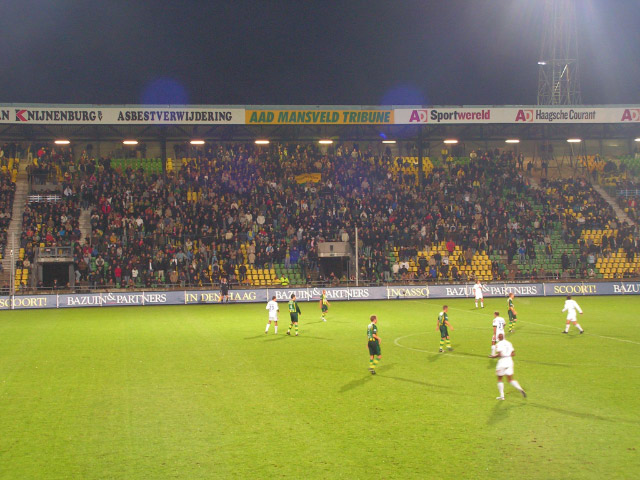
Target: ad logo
[
  {"x": 20, "y": 116},
  {"x": 419, "y": 116},
  {"x": 631, "y": 115},
  {"x": 524, "y": 116}
]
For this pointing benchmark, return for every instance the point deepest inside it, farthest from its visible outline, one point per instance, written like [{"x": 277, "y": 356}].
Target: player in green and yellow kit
[
  {"x": 513, "y": 315},
  {"x": 294, "y": 311},
  {"x": 373, "y": 342},
  {"x": 443, "y": 325},
  {"x": 324, "y": 305}
]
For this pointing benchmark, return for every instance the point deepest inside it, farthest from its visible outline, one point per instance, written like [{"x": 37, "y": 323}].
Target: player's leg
[
  {"x": 481, "y": 302},
  {"x": 476, "y": 302},
  {"x": 296, "y": 325},
  {"x": 516, "y": 385},
  {"x": 567, "y": 325},
  {"x": 577, "y": 325},
  {"x": 441, "y": 344},
  {"x": 500, "y": 388},
  {"x": 449, "y": 343},
  {"x": 266, "y": 330},
  {"x": 290, "y": 327},
  {"x": 275, "y": 323},
  {"x": 493, "y": 346},
  {"x": 376, "y": 360}
]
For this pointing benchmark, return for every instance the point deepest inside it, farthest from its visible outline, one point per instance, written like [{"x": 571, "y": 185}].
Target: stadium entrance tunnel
[{"x": 62, "y": 272}]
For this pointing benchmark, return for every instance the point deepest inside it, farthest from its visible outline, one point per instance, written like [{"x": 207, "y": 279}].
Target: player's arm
[
  {"x": 446, "y": 322},
  {"x": 375, "y": 335},
  {"x": 579, "y": 309}
]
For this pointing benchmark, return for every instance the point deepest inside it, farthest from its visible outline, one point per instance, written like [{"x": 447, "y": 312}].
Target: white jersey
[
  {"x": 571, "y": 306},
  {"x": 504, "y": 349},
  {"x": 477, "y": 290},
  {"x": 499, "y": 323},
  {"x": 272, "y": 306}
]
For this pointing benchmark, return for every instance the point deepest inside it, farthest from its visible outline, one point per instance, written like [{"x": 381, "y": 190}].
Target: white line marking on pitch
[
  {"x": 544, "y": 325},
  {"x": 397, "y": 343}
]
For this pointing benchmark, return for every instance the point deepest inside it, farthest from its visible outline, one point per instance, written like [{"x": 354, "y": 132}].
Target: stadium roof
[{"x": 40, "y": 122}]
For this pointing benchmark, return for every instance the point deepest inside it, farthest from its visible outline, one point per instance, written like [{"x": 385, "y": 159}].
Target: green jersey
[
  {"x": 324, "y": 299},
  {"x": 442, "y": 318},
  {"x": 510, "y": 304},
  {"x": 372, "y": 329},
  {"x": 293, "y": 307}
]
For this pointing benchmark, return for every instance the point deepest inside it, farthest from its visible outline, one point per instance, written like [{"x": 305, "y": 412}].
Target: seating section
[
  {"x": 7, "y": 194},
  {"x": 257, "y": 214},
  {"x": 148, "y": 165}
]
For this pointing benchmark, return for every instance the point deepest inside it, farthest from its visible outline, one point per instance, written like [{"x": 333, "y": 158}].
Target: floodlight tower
[{"x": 558, "y": 82}]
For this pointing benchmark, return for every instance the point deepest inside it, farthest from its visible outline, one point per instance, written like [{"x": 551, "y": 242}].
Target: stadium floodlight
[
  {"x": 325, "y": 142},
  {"x": 389, "y": 141},
  {"x": 574, "y": 140},
  {"x": 512, "y": 140},
  {"x": 262, "y": 142},
  {"x": 197, "y": 142},
  {"x": 451, "y": 141},
  {"x": 637, "y": 139},
  {"x": 130, "y": 142},
  {"x": 542, "y": 62},
  {"x": 61, "y": 142}
]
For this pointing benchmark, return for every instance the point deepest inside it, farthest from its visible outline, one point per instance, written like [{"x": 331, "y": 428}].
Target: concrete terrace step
[{"x": 622, "y": 216}]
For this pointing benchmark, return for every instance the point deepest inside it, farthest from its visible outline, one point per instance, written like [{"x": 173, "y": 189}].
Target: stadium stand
[{"x": 256, "y": 216}]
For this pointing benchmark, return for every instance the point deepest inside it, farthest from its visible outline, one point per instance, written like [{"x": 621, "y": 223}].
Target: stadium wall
[{"x": 204, "y": 297}]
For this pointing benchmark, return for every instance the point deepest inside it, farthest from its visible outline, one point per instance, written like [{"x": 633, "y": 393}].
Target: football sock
[
  {"x": 566, "y": 327},
  {"x": 296, "y": 328},
  {"x": 579, "y": 327},
  {"x": 501, "y": 388},
  {"x": 448, "y": 343},
  {"x": 276, "y": 327},
  {"x": 516, "y": 385},
  {"x": 482, "y": 304},
  {"x": 375, "y": 362},
  {"x": 441, "y": 343},
  {"x": 476, "y": 304},
  {"x": 266, "y": 329},
  {"x": 493, "y": 349},
  {"x": 371, "y": 365}
]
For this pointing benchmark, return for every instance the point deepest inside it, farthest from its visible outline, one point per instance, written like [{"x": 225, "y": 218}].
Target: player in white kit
[
  {"x": 272, "y": 307},
  {"x": 505, "y": 353},
  {"x": 498, "y": 328},
  {"x": 477, "y": 290},
  {"x": 571, "y": 307}
]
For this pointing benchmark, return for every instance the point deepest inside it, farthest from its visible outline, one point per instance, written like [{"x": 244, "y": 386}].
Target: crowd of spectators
[{"x": 240, "y": 205}]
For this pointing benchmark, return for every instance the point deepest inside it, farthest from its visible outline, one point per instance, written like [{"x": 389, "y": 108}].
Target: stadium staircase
[
  {"x": 85, "y": 225},
  {"x": 620, "y": 213},
  {"x": 15, "y": 226}
]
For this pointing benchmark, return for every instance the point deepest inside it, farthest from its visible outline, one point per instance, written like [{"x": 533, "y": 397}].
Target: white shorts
[
  {"x": 273, "y": 319},
  {"x": 478, "y": 297},
  {"x": 495, "y": 337},
  {"x": 504, "y": 367},
  {"x": 572, "y": 318}
]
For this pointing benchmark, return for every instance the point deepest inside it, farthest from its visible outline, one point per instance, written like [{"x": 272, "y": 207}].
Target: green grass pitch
[{"x": 201, "y": 392}]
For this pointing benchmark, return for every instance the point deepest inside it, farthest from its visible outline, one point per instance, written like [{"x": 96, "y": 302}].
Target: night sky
[{"x": 360, "y": 52}]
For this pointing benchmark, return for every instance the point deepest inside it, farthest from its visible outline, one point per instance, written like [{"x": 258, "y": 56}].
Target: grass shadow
[
  {"x": 367, "y": 378},
  {"x": 501, "y": 411}
]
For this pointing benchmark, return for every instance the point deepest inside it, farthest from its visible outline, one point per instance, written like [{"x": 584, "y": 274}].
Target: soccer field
[{"x": 201, "y": 392}]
